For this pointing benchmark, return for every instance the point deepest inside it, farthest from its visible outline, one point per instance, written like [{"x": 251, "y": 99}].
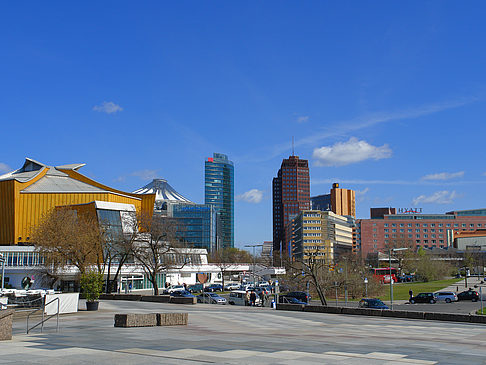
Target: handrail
[{"x": 41, "y": 323}]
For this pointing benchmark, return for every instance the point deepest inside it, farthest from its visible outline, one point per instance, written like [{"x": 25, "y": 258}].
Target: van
[{"x": 238, "y": 297}]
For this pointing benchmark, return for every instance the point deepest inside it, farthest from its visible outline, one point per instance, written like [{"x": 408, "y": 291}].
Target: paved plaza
[{"x": 243, "y": 335}]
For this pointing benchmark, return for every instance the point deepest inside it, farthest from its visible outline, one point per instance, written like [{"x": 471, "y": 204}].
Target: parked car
[
  {"x": 372, "y": 303},
  {"x": 446, "y": 296},
  {"x": 174, "y": 288},
  {"x": 468, "y": 295},
  {"x": 232, "y": 286},
  {"x": 283, "y": 299},
  {"x": 196, "y": 288},
  {"x": 181, "y": 294},
  {"x": 238, "y": 297},
  {"x": 213, "y": 288},
  {"x": 300, "y": 295},
  {"x": 423, "y": 298},
  {"x": 211, "y": 298}
]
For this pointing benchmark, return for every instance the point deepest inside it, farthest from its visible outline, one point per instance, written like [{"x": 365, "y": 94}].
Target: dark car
[
  {"x": 299, "y": 295},
  {"x": 468, "y": 295},
  {"x": 181, "y": 294},
  {"x": 423, "y": 298},
  {"x": 213, "y": 288},
  {"x": 372, "y": 303},
  {"x": 283, "y": 299},
  {"x": 196, "y": 288}
]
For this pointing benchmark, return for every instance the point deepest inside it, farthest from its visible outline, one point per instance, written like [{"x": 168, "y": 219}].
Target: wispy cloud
[
  {"x": 141, "y": 174},
  {"x": 345, "y": 127},
  {"x": 107, "y": 107},
  {"x": 303, "y": 119},
  {"x": 393, "y": 182},
  {"x": 4, "y": 167},
  {"x": 352, "y": 151},
  {"x": 443, "y": 175},
  {"x": 439, "y": 197},
  {"x": 254, "y": 196},
  {"x": 360, "y": 194}
]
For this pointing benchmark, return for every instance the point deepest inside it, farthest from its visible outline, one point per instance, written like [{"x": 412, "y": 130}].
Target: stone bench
[
  {"x": 150, "y": 319},
  {"x": 6, "y": 316}
]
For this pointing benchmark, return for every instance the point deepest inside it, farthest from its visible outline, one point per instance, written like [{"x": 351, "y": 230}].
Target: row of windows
[
  {"x": 22, "y": 259},
  {"x": 410, "y": 236},
  {"x": 448, "y": 225},
  {"x": 410, "y": 230}
]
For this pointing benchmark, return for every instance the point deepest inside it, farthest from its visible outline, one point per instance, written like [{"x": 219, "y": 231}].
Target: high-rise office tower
[
  {"x": 291, "y": 194},
  {"x": 343, "y": 201},
  {"x": 219, "y": 192}
]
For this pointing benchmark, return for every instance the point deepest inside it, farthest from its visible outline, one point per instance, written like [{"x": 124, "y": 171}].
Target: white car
[
  {"x": 232, "y": 286},
  {"x": 174, "y": 288}
]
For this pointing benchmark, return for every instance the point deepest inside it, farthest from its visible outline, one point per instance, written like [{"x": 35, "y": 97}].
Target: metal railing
[{"x": 44, "y": 319}]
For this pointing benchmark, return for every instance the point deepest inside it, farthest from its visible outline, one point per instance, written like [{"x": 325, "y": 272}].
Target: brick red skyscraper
[{"x": 291, "y": 194}]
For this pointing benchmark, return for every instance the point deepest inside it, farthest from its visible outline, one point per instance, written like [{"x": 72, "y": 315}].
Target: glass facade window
[{"x": 198, "y": 225}]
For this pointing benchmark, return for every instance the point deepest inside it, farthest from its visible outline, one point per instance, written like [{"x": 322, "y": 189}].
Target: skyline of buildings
[{"x": 219, "y": 192}]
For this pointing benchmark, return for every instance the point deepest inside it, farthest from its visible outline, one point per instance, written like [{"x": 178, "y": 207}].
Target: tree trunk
[{"x": 154, "y": 284}]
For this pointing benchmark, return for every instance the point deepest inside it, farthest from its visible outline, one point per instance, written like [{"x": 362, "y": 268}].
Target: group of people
[{"x": 251, "y": 298}]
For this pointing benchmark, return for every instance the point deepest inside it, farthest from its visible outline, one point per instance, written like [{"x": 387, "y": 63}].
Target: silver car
[
  {"x": 445, "y": 296},
  {"x": 211, "y": 298}
]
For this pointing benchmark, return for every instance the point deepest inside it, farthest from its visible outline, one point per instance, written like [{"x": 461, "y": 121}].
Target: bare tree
[
  {"x": 157, "y": 248},
  {"x": 118, "y": 247},
  {"x": 63, "y": 237},
  {"x": 226, "y": 257}
]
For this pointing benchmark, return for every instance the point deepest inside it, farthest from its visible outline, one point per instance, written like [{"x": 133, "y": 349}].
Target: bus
[{"x": 383, "y": 274}]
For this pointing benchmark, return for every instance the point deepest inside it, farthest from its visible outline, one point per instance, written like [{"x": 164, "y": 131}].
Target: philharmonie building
[{"x": 30, "y": 192}]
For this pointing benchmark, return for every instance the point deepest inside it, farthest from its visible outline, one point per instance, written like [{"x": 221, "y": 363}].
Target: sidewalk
[{"x": 461, "y": 285}]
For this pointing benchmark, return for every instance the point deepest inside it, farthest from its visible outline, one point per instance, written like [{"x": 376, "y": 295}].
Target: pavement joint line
[
  {"x": 143, "y": 353},
  {"x": 367, "y": 356}
]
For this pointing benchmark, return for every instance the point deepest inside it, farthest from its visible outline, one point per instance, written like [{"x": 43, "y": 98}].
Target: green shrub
[{"x": 92, "y": 285}]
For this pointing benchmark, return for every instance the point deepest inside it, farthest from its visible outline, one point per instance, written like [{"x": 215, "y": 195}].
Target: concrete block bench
[
  {"x": 150, "y": 319},
  {"x": 6, "y": 317}
]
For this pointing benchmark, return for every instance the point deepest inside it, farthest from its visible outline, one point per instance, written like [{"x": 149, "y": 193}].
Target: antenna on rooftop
[{"x": 293, "y": 146}]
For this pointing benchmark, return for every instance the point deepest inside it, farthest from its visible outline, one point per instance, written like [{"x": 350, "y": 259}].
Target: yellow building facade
[
  {"x": 343, "y": 201},
  {"x": 322, "y": 235},
  {"x": 29, "y": 193}
]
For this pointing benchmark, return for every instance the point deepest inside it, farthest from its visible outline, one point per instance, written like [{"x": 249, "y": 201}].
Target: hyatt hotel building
[{"x": 422, "y": 230}]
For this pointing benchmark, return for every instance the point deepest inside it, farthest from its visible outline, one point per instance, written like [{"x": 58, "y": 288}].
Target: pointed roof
[
  {"x": 162, "y": 190},
  {"x": 32, "y": 168}
]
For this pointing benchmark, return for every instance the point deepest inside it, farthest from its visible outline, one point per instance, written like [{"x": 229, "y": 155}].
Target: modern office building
[
  {"x": 343, "y": 201},
  {"x": 291, "y": 195},
  {"x": 420, "y": 230},
  {"x": 32, "y": 191},
  {"x": 324, "y": 235},
  {"x": 198, "y": 222},
  {"x": 219, "y": 193},
  {"x": 321, "y": 202},
  {"x": 340, "y": 201}
]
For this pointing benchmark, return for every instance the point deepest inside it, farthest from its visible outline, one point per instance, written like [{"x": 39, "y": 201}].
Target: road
[{"x": 246, "y": 335}]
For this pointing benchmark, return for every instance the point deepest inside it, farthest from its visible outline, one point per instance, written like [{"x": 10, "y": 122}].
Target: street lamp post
[
  {"x": 391, "y": 278},
  {"x": 254, "y": 262},
  {"x": 2, "y": 260},
  {"x": 366, "y": 287}
]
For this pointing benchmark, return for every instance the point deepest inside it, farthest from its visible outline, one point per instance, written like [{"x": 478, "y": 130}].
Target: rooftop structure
[{"x": 30, "y": 192}]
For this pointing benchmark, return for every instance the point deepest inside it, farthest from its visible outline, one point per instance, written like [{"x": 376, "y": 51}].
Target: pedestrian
[
  {"x": 247, "y": 298},
  {"x": 410, "y": 293},
  {"x": 252, "y": 299}
]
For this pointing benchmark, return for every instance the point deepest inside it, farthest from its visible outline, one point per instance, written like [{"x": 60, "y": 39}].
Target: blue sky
[{"x": 388, "y": 98}]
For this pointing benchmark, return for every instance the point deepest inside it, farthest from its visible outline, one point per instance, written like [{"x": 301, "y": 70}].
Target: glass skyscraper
[
  {"x": 219, "y": 192},
  {"x": 198, "y": 224}
]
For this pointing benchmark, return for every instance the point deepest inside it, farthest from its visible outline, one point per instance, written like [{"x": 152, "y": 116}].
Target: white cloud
[
  {"x": 352, "y": 151},
  {"x": 145, "y": 174},
  {"x": 362, "y": 192},
  {"x": 4, "y": 167},
  {"x": 254, "y": 196},
  {"x": 443, "y": 175},
  {"x": 439, "y": 197},
  {"x": 303, "y": 119},
  {"x": 108, "y": 107}
]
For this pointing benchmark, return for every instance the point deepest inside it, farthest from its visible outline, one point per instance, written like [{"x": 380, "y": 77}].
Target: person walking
[
  {"x": 410, "y": 293},
  {"x": 252, "y": 299}
]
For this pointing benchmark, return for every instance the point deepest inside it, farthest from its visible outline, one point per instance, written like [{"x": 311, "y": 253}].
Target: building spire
[{"x": 293, "y": 154}]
